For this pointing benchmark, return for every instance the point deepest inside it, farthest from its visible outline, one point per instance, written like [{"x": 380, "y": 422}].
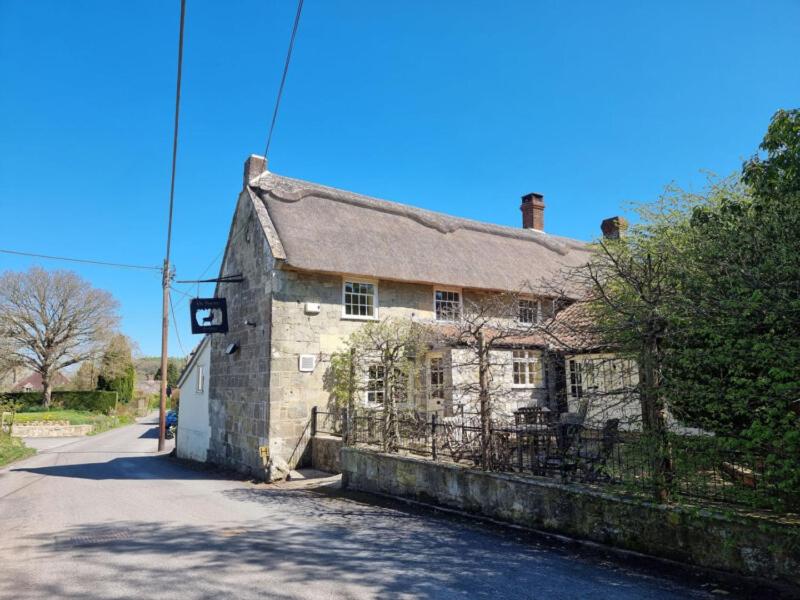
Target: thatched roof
[{"x": 329, "y": 230}]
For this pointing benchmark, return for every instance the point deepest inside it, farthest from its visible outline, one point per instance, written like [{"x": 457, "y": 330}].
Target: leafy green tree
[
  {"x": 173, "y": 373},
  {"x": 116, "y": 371},
  {"x": 630, "y": 293},
  {"x": 734, "y": 363}
]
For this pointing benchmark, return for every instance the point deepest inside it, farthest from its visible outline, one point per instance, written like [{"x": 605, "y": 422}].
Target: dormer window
[
  {"x": 447, "y": 304},
  {"x": 359, "y": 300}
]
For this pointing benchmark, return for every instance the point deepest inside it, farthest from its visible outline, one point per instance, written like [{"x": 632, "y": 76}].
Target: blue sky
[{"x": 460, "y": 107}]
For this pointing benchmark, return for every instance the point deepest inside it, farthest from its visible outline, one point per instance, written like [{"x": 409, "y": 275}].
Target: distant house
[
  {"x": 33, "y": 383},
  {"x": 318, "y": 263},
  {"x": 193, "y": 422}
]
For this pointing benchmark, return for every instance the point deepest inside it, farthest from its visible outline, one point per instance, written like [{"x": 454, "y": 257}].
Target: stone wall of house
[
  {"x": 295, "y": 332},
  {"x": 239, "y": 381},
  {"x": 506, "y": 397}
]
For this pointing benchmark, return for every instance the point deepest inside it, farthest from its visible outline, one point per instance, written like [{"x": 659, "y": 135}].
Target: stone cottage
[{"x": 318, "y": 263}]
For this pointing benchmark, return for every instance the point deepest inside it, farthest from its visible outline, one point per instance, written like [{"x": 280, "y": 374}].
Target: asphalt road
[{"x": 106, "y": 517}]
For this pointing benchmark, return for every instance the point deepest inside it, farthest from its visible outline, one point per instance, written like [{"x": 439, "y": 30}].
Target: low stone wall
[
  {"x": 325, "y": 453},
  {"x": 741, "y": 544},
  {"x": 50, "y": 429}
]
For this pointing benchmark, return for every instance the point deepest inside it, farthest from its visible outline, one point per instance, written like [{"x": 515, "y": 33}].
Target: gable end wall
[{"x": 239, "y": 382}]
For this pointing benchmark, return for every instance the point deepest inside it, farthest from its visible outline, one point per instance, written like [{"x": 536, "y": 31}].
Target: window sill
[{"x": 358, "y": 318}]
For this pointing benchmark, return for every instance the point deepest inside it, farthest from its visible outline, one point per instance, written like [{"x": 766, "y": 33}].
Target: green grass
[
  {"x": 100, "y": 421},
  {"x": 12, "y": 449}
]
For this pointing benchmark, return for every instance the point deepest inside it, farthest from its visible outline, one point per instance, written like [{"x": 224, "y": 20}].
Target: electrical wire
[
  {"x": 82, "y": 260},
  {"x": 175, "y": 324},
  {"x": 283, "y": 78},
  {"x": 175, "y": 133}
]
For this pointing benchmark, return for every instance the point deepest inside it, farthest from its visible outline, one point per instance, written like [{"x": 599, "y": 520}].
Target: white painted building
[{"x": 194, "y": 430}]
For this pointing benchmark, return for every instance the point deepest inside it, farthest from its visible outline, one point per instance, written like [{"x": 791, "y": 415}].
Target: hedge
[{"x": 94, "y": 400}]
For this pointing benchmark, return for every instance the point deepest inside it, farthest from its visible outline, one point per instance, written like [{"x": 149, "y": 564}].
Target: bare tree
[
  {"x": 486, "y": 323},
  {"x": 8, "y": 361},
  {"x": 52, "y": 320}
]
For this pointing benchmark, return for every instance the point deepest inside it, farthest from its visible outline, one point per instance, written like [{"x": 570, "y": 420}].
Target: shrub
[{"x": 95, "y": 400}]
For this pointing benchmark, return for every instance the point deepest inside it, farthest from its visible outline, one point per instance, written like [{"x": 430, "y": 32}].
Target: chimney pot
[
  {"x": 614, "y": 228},
  {"x": 532, "y": 208},
  {"x": 253, "y": 167}
]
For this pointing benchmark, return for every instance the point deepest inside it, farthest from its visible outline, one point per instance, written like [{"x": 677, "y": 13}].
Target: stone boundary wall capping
[
  {"x": 741, "y": 544},
  {"x": 50, "y": 429}
]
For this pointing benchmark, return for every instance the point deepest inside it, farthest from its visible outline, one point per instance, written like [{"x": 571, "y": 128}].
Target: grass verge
[{"x": 12, "y": 449}]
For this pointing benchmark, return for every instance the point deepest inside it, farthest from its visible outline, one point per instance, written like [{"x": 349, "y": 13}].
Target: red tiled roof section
[
  {"x": 34, "y": 382},
  {"x": 448, "y": 333},
  {"x": 574, "y": 329}
]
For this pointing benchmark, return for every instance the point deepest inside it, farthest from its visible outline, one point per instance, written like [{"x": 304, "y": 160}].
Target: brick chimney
[
  {"x": 532, "y": 211},
  {"x": 614, "y": 227},
  {"x": 253, "y": 167}
]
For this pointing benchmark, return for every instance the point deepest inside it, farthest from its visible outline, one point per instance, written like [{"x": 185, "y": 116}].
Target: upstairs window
[
  {"x": 360, "y": 300},
  {"x": 447, "y": 305},
  {"x": 527, "y": 368},
  {"x": 530, "y": 311}
]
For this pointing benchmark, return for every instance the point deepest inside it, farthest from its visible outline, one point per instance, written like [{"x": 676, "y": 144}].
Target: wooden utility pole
[{"x": 162, "y": 412}]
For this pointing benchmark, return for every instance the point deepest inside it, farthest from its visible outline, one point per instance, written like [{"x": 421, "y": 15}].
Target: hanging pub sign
[{"x": 209, "y": 315}]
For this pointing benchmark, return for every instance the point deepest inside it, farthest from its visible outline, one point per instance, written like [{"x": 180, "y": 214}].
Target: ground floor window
[
  {"x": 575, "y": 378},
  {"x": 527, "y": 368},
  {"x": 375, "y": 391},
  {"x": 436, "y": 369}
]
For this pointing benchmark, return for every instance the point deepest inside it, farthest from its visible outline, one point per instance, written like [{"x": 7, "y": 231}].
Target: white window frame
[
  {"x": 575, "y": 381},
  {"x": 201, "y": 378},
  {"x": 531, "y": 357},
  {"x": 375, "y": 304},
  {"x": 442, "y": 386},
  {"x": 460, "y": 292},
  {"x": 538, "y": 308}
]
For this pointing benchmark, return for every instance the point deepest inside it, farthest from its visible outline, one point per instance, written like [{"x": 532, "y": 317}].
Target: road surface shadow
[
  {"x": 126, "y": 467},
  {"x": 150, "y": 434},
  {"x": 335, "y": 552}
]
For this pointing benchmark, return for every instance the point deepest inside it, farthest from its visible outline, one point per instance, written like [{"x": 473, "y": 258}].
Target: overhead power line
[
  {"x": 175, "y": 324},
  {"x": 283, "y": 78},
  {"x": 175, "y": 129},
  {"x": 82, "y": 260},
  {"x": 166, "y": 301}
]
